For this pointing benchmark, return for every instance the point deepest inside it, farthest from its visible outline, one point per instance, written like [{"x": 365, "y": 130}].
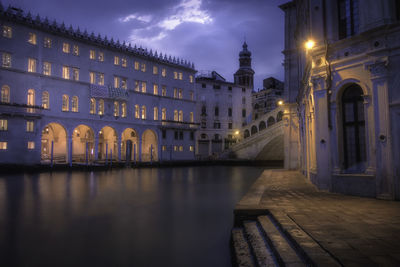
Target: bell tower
[{"x": 244, "y": 76}]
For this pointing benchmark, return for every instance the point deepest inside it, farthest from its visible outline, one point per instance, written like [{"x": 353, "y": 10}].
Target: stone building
[
  {"x": 70, "y": 96},
  {"x": 223, "y": 107},
  {"x": 267, "y": 99},
  {"x": 342, "y": 64}
]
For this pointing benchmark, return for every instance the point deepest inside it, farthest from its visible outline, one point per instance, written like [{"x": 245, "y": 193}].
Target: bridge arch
[
  {"x": 246, "y": 133},
  {"x": 279, "y": 116},
  {"x": 270, "y": 121},
  {"x": 262, "y": 126},
  {"x": 254, "y": 129}
]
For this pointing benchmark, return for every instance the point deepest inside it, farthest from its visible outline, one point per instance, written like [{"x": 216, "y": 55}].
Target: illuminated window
[
  {"x": 47, "y": 42},
  {"x": 144, "y": 87},
  {"x": 5, "y": 94},
  {"x": 3, "y": 145},
  {"x": 101, "y": 56},
  {"x": 143, "y": 112},
  {"x": 74, "y": 104},
  {"x": 180, "y": 148},
  {"x": 164, "y": 148},
  {"x": 46, "y": 68},
  {"x": 175, "y": 75},
  {"x": 32, "y": 38},
  {"x": 124, "y": 83},
  {"x": 31, "y": 145},
  {"x": 92, "y": 54},
  {"x": 92, "y": 77},
  {"x": 75, "y": 50},
  {"x": 7, "y": 31},
  {"x": 164, "y": 72},
  {"x": 116, "y": 82},
  {"x": 175, "y": 148},
  {"x": 180, "y": 118},
  {"x": 65, "y": 103},
  {"x": 175, "y": 93},
  {"x": 191, "y": 148},
  {"x": 155, "y": 89},
  {"x": 123, "y": 110},
  {"x": 116, "y": 60},
  {"x": 191, "y": 78},
  {"x": 6, "y": 60},
  {"x": 65, "y": 48},
  {"x": 116, "y": 109},
  {"x": 143, "y": 67},
  {"x": 137, "y": 87},
  {"x": 75, "y": 74},
  {"x": 164, "y": 114},
  {"x": 155, "y": 111},
  {"x": 30, "y": 126},
  {"x": 31, "y": 65},
  {"x": 123, "y": 62},
  {"x": 180, "y": 75},
  {"x": 45, "y": 100},
  {"x": 101, "y": 79},
  {"x": 3, "y": 125},
  {"x": 164, "y": 91},
  {"x": 101, "y": 107},
  {"x": 191, "y": 117},
  {"x": 176, "y": 116},
  {"x": 92, "y": 106},
  {"x": 155, "y": 70},
  {"x": 137, "y": 112},
  {"x": 31, "y": 97},
  {"x": 137, "y": 64},
  {"x": 180, "y": 96},
  {"x": 65, "y": 72},
  {"x": 191, "y": 95}
]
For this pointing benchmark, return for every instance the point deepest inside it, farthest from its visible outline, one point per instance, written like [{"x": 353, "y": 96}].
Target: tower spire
[{"x": 244, "y": 76}]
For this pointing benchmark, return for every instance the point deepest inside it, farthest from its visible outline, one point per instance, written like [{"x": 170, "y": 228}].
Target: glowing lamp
[
  {"x": 237, "y": 132},
  {"x": 280, "y": 102},
  {"x": 309, "y": 44}
]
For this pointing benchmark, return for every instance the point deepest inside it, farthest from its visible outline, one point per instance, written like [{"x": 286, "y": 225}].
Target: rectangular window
[
  {"x": 47, "y": 42},
  {"x": 32, "y": 38},
  {"x": 164, "y": 72},
  {"x": 46, "y": 68},
  {"x": 116, "y": 60},
  {"x": 29, "y": 126},
  {"x": 75, "y": 74},
  {"x": 217, "y": 86},
  {"x": 203, "y": 85},
  {"x": 7, "y": 31},
  {"x": 191, "y": 117},
  {"x": 191, "y": 95},
  {"x": 155, "y": 113},
  {"x": 101, "y": 56},
  {"x": 164, "y": 91},
  {"x": 348, "y": 18},
  {"x": 191, "y": 78},
  {"x": 230, "y": 125},
  {"x": 243, "y": 90},
  {"x": 143, "y": 67},
  {"x": 180, "y": 95},
  {"x": 244, "y": 113},
  {"x": 137, "y": 86},
  {"x": 75, "y": 50},
  {"x": 101, "y": 79},
  {"x": 31, "y": 65},
  {"x": 92, "y": 77},
  {"x": 191, "y": 135},
  {"x": 175, "y": 93},
  {"x": 124, "y": 83},
  {"x": 92, "y": 54},
  {"x": 180, "y": 135},
  {"x": 137, "y": 65},
  {"x": 229, "y": 112},
  {"x": 164, "y": 114},
  {"x": 31, "y": 145},
  {"x": 180, "y": 148},
  {"x": 155, "y": 89},
  {"x": 65, "y": 72},
  {"x": 175, "y": 75},
  {"x": 116, "y": 82},
  {"x": 3, "y": 125},
  {"x": 180, "y": 76},
  {"x": 144, "y": 87},
  {"x": 137, "y": 112},
  {"x": 6, "y": 60},
  {"x": 191, "y": 148},
  {"x": 175, "y": 148},
  {"x": 3, "y": 145},
  {"x": 164, "y": 134},
  {"x": 164, "y": 148},
  {"x": 124, "y": 62},
  {"x": 155, "y": 70},
  {"x": 176, "y": 135},
  {"x": 65, "y": 48}
]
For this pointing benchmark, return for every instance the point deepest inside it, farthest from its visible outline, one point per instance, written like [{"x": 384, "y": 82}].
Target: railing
[{"x": 20, "y": 109}]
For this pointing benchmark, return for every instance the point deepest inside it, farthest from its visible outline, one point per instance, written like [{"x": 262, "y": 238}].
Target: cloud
[{"x": 145, "y": 18}]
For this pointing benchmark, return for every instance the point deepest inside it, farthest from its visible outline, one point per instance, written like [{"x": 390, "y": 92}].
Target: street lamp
[
  {"x": 309, "y": 44},
  {"x": 280, "y": 102}
]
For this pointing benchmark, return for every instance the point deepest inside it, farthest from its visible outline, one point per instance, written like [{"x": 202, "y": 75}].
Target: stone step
[
  {"x": 281, "y": 247},
  {"x": 241, "y": 248},
  {"x": 262, "y": 253}
]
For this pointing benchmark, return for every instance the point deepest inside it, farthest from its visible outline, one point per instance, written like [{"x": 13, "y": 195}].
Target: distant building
[
  {"x": 223, "y": 107},
  {"x": 70, "y": 96},
  {"x": 266, "y": 100}
]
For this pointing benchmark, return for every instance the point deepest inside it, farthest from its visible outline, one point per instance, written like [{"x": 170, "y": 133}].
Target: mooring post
[{"x": 51, "y": 154}]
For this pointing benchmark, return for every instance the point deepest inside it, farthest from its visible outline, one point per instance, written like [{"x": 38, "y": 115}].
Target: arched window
[
  {"x": 180, "y": 118},
  {"x": 65, "y": 103},
  {"x": 5, "y": 94},
  {"x": 254, "y": 129},
  {"x": 74, "y": 104},
  {"x": 176, "y": 115},
  {"x": 353, "y": 128},
  {"x": 92, "y": 106},
  {"x": 45, "y": 100},
  {"x": 155, "y": 111},
  {"x": 143, "y": 112},
  {"x": 137, "y": 112},
  {"x": 270, "y": 121},
  {"x": 31, "y": 97},
  {"x": 203, "y": 111},
  {"x": 164, "y": 114},
  {"x": 123, "y": 110},
  {"x": 279, "y": 116},
  {"x": 116, "y": 109},
  {"x": 101, "y": 107},
  {"x": 191, "y": 117}
]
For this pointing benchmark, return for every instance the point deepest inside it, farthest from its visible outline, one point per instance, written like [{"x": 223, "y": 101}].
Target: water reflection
[{"x": 129, "y": 217}]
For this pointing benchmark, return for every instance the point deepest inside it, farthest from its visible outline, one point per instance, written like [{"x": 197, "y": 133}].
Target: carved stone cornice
[{"x": 378, "y": 69}]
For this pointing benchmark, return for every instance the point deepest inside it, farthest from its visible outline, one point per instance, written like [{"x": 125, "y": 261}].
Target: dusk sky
[{"x": 209, "y": 33}]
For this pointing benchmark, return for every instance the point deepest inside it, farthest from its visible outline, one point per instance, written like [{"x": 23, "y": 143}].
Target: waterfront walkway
[{"x": 285, "y": 220}]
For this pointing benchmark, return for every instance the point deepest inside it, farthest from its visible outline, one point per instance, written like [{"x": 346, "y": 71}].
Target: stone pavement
[{"x": 353, "y": 231}]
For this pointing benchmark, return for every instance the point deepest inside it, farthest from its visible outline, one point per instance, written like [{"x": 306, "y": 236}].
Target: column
[
  {"x": 139, "y": 140},
  {"x": 96, "y": 146}
]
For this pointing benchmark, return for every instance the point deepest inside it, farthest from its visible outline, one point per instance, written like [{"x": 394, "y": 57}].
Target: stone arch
[
  {"x": 254, "y": 129},
  {"x": 129, "y": 145},
  {"x": 108, "y": 144},
  {"x": 246, "y": 133},
  {"x": 54, "y": 143},
  {"x": 270, "y": 121},
  {"x": 149, "y": 146},
  {"x": 82, "y": 144},
  {"x": 279, "y": 116},
  {"x": 262, "y": 125}
]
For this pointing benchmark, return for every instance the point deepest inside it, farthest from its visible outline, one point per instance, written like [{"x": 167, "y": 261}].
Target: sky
[{"x": 209, "y": 33}]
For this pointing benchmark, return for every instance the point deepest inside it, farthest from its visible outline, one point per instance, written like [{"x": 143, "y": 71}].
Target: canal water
[{"x": 125, "y": 217}]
